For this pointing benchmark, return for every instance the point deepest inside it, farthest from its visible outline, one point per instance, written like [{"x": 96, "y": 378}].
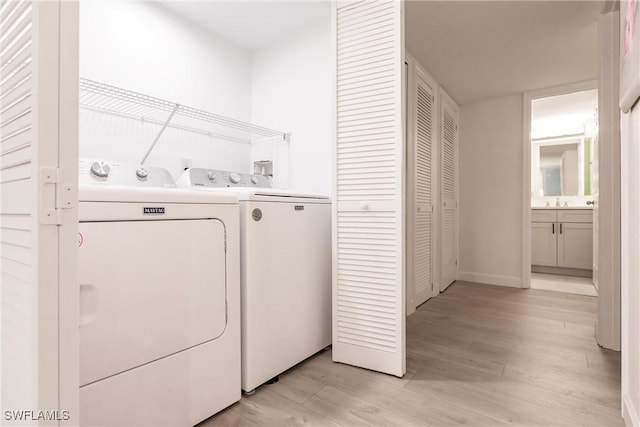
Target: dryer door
[{"x": 148, "y": 289}]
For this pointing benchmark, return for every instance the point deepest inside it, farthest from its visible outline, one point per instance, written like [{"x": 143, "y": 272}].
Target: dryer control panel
[
  {"x": 200, "y": 177},
  {"x": 100, "y": 172}
]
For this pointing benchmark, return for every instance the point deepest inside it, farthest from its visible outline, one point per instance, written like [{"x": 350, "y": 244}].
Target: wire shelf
[{"x": 107, "y": 99}]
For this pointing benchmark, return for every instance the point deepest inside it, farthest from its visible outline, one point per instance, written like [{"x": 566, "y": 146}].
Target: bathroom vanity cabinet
[{"x": 562, "y": 238}]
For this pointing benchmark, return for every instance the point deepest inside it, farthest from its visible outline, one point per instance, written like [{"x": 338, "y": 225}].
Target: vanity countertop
[{"x": 562, "y": 207}]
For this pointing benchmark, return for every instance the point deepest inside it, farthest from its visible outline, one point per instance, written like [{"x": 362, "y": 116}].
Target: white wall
[
  {"x": 292, "y": 90},
  {"x": 630, "y": 150},
  {"x": 143, "y": 47},
  {"x": 490, "y": 213}
]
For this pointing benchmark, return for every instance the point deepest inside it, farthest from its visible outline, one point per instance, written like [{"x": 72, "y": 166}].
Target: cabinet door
[
  {"x": 575, "y": 245},
  {"x": 543, "y": 243}
]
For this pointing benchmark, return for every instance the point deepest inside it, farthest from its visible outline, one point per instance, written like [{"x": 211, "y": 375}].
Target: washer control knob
[
  {"x": 100, "y": 169},
  {"x": 254, "y": 180},
  {"x": 234, "y": 178},
  {"x": 211, "y": 175},
  {"x": 142, "y": 173}
]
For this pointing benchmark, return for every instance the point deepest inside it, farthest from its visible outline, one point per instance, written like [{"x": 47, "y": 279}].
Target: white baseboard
[
  {"x": 629, "y": 413},
  {"x": 490, "y": 279}
]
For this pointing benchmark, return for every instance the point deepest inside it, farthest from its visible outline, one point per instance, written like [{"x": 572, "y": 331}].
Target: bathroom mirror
[{"x": 561, "y": 167}]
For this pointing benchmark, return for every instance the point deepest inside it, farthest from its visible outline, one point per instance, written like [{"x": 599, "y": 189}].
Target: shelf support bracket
[{"x": 164, "y": 127}]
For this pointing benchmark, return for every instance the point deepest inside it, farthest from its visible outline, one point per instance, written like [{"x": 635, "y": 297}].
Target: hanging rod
[{"x": 104, "y": 98}]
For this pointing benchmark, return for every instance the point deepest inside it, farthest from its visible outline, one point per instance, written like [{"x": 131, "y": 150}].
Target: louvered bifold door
[
  {"x": 368, "y": 293},
  {"x": 30, "y": 172},
  {"x": 17, "y": 206},
  {"x": 449, "y": 216},
  {"x": 423, "y": 216}
]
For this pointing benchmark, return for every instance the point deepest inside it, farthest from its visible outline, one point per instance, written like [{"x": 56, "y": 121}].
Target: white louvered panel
[
  {"x": 15, "y": 222},
  {"x": 424, "y": 142},
  {"x": 448, "y": 156},
  {"x": 16, "y": 173},
  {"x": 17, "y": 253},
  {"x": 15, "y": 41},
  {"x": 449, "y": 191},
  {"x": 448, "y": 230},
  {"x": 422, "y": 252},
  {"x": 368, "y": 275},
  {"x": 17, "y": 336},
  {"x": 422, "y": 257},
  {"x": 15, "y": 158},
  {"x": 368, "y": 100},
  {"x": 17, "y": 49},
  {"x": 354, "y": 15},
  {"x": 367, "y": 70},
  {"x": 358, "y": 148},
  {"x": 15, "y": 115},
  {"x": 14, "y": 236},
  {"x": 15, "y": 80},
  {"x": 15, "y": 102},
  {"x": 15, "y": 141},
  {"x": 15, "y": 64},
  {"x": 16, "y": 202},
  {"x": 15, "y": 16},
  {"x": 15, "y": 105}
]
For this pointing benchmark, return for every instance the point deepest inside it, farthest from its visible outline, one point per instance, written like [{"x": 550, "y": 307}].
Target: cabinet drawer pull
[
  {"x": 553, "y": 228},
  {"x": 561, "y": 228}
]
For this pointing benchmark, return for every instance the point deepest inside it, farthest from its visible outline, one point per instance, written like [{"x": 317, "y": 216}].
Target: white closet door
[
  {"x": 449, "y": 191},
  {"x": 38, "y": 218},
  {"x": 422, "y": 157},
  {"x": 368, "y": 286}
]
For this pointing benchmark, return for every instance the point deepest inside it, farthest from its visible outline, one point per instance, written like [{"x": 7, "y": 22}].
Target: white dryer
[
  {"x": 285, "y": 271},
  {"x": 159, "y": 299}
]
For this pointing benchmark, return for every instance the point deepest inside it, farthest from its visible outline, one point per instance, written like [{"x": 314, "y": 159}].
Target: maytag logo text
[{"x": 153, "y": 211}]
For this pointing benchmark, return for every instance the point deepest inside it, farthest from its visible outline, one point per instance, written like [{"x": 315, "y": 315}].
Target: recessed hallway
[{"x": 477, "y": 355}]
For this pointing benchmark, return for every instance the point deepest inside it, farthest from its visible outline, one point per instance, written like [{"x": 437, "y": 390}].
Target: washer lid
[
  {"x": 259, "y": 194},
  {"x": 265, "y": 194}
]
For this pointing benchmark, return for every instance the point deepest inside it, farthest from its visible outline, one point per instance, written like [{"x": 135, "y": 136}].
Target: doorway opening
[{"x": 562, "y": 146}]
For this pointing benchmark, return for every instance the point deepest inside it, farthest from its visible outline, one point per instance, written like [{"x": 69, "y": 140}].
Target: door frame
[{"x": 526, "y": 163}]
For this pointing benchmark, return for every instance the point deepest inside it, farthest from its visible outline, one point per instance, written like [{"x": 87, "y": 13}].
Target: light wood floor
[{"x": 477, "y": 355}]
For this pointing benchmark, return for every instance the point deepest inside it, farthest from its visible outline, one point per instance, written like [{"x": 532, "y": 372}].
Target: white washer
[
  {"x": 285, "y": 271},
  {"x": 159, "y": 299}
]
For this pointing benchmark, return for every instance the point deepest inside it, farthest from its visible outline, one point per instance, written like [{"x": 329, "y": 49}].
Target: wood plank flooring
[{"x": 477, "y": 355}]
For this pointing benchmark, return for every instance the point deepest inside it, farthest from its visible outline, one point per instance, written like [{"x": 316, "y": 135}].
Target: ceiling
[
  {"x": 486, "y": 49},
  {"x": 251, "y": 24},
  {"x": 552, "y": 152},
  {"x": 475, "y": 49}
]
